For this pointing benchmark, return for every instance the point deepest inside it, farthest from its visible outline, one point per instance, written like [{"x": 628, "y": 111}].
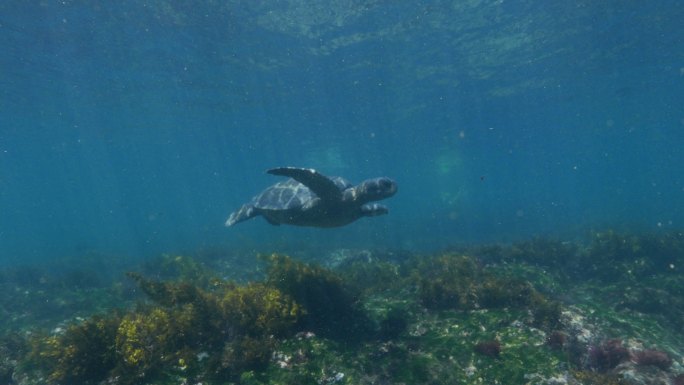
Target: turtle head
[{"x": 376, "y": 189}]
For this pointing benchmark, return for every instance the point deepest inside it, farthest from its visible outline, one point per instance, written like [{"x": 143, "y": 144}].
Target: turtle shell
[{"x": 291, "y": 195}]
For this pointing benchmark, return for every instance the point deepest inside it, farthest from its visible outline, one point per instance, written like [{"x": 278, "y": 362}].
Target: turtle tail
[{"x": 244, "y": 213}]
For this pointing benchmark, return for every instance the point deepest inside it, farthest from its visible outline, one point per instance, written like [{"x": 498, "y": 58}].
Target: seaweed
[
  {"x": 616, "y": 256},
  {"x": 167, "y": 293},
  {"x": 449, "y": 318},
  {"x": 448, "y": 282},
  {"x": 653, "y": 357},
  {"x": 12, "y": 347},
  {"x": 331, "y": 307},
  {"x": 587, "y": 377},
  {"x": 373, "y": 277},
  {"x": 237, "y": 323},
  {"x": 394, "y": 322},
  {"x": 82, "y": 354},
  {"x": 607, "y": 355},
  {"x": 459, "y": 282},
  {"x": 178, "y": 268},
  {"x": 260, "y": 310},
  {"x": 490, "y": 348},
  {"x": 143, "y": 341},
  {"x": 246, "y": 354}
]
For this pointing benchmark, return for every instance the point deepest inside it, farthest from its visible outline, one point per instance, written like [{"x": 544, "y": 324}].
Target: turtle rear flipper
[
  {"x": 244, "y": 213},
  {"x": 324, "y": 187}
]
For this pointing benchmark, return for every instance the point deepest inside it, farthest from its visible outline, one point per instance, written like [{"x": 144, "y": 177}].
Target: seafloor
[{"x": 607, "y": 310}]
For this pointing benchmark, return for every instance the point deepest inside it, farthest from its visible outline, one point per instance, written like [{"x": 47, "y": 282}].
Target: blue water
[{"x": 134, "y": 128}]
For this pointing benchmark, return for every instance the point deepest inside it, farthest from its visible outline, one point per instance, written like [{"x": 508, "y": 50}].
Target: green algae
[
  {"x": 422, "y": 324},
  {"x": 438, "y": 349},
  {"x": 451, "y": 338}
]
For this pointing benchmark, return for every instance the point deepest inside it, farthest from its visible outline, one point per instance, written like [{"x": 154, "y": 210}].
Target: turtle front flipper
[
  {"x": 374, "y": 209},
  {"x": 244, "y": 213},
  {"x": 324, "y": 187}
]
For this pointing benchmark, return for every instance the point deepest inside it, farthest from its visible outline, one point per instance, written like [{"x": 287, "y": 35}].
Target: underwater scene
[{"x": 341, "y": 192}]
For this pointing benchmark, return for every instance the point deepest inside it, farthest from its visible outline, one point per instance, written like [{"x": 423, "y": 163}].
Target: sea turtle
[{"x": 310, "y": 198}]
